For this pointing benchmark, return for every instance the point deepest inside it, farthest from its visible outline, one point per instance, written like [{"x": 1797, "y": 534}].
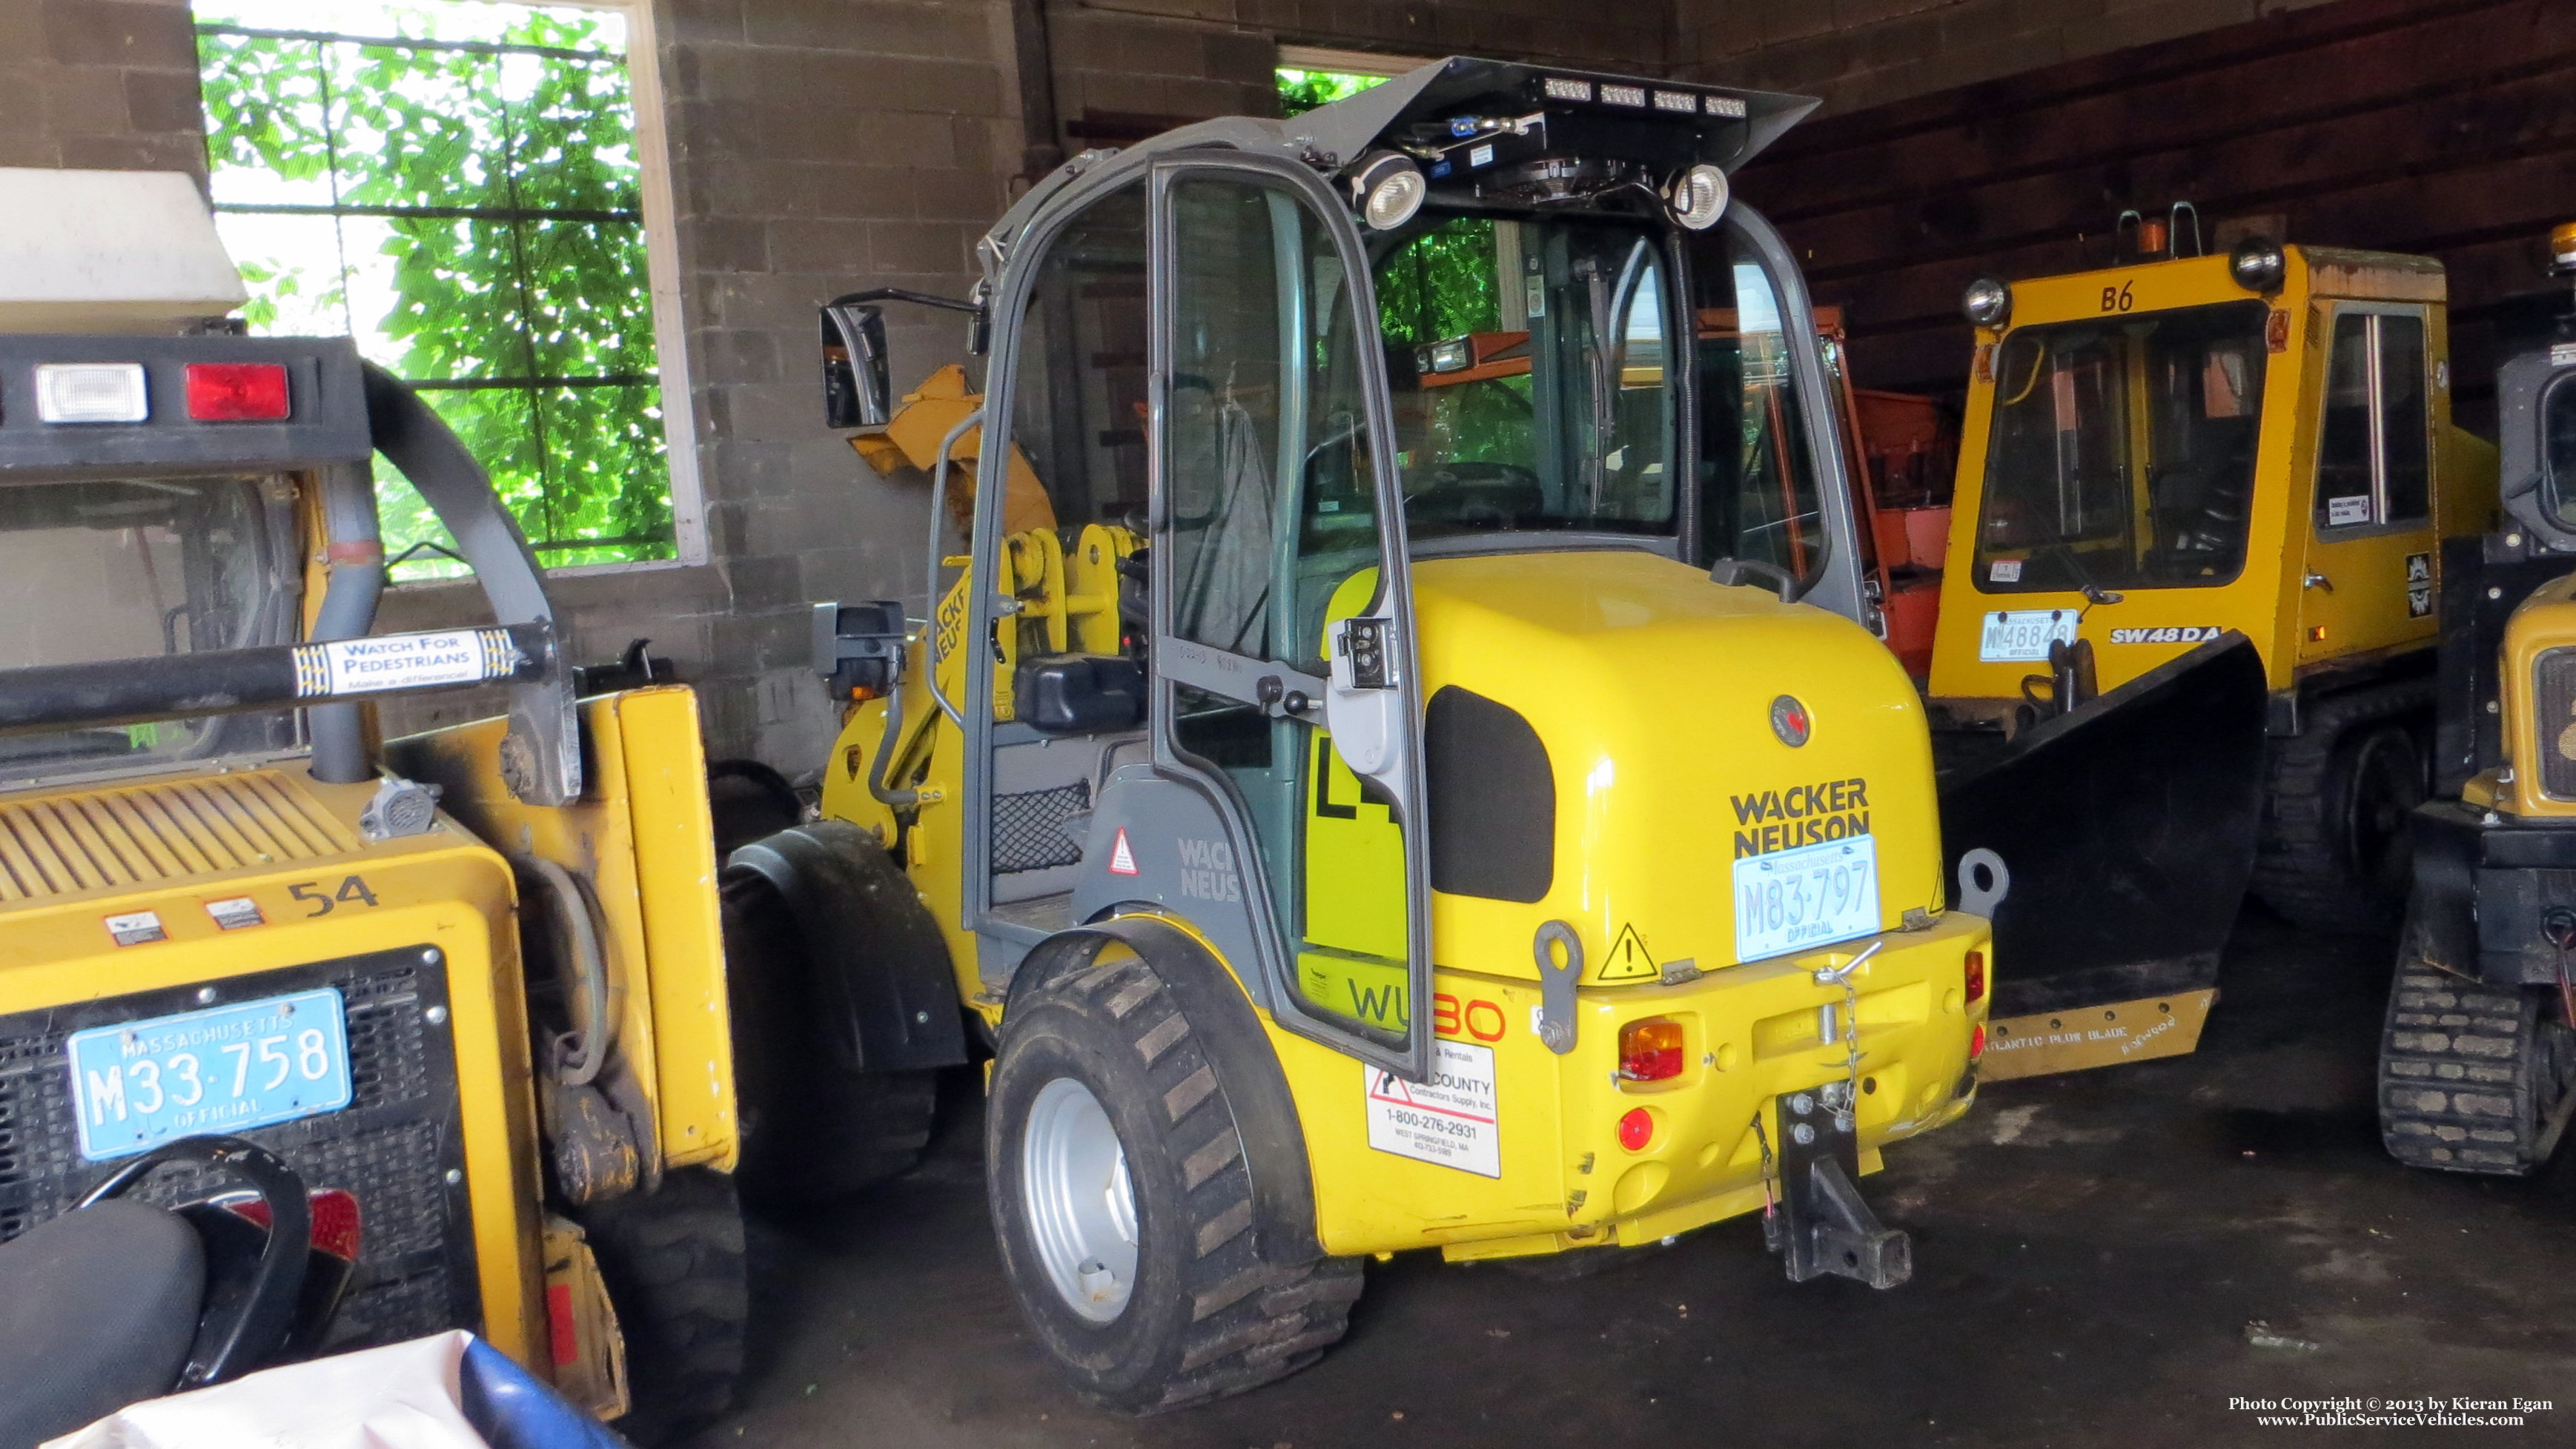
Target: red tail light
[
  {"x": 1976, "y": 977},
  {"x": 1977, "y": 1042},
  {"x": 335, "y": 1223},
  {"x": 237, "y": 392},
  {"x": 335, "y": 1219},
  {"x": 1650, "y": 1050}
]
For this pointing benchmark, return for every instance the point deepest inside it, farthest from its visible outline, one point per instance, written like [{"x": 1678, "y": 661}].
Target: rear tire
[
  {"x": 673, "y": 1263},
  {"x": 1107, "y": 1121},
  {"x": 2334, "y": 855},
  {"x": 2471, "y": 1077},
  {"x": 810, "y": 1131}
]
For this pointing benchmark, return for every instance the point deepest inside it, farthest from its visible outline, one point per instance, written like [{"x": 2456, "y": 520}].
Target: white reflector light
[
  {"x": 91, "y": 392},
  {"x": 1623, "y": 95}
]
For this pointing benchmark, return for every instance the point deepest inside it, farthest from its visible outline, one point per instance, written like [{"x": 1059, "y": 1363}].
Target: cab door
[
  {"x": 2368, "y": 582},
  {"x": 1282, "y": 645}
]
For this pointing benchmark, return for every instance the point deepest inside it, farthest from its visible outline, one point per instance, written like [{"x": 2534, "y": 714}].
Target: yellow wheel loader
[
  {"x": 1354, "y": 829},
  {"x": 472, "y": 978},
  {"x": 2187, "y": 624},
  {"x": 2477, "y": 1063}
]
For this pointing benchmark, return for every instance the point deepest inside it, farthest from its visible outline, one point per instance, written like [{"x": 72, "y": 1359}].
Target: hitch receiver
[{"x": 1822, "y": 1225}]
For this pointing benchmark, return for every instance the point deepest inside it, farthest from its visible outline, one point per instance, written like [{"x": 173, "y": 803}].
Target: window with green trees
[
  {"x": 1304, "y": 90},
  {"x": 456, "y": 184}
]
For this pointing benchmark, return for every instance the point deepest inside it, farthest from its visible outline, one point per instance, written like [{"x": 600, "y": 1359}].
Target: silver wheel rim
[{"x": 1080, "y": 1202}]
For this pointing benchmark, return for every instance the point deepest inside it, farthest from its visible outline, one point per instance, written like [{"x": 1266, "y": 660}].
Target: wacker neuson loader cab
[
  {"x": 472, "y": 978},
  {"x": 2477, "y": 1066},
  {"x": 1359, "y": 826},
  {"x": 2188, "y": 615}
]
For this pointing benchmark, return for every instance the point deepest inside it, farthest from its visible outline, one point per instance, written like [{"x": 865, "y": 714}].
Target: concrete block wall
[
  {"x": 1855, "y": 54},
  {"x": 105, "y": 84}
]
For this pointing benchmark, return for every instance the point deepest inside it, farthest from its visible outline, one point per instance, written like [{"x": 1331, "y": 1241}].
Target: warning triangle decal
[
  {"x": 1122, "y": 861},
  {"x": 1628, "y": 959}
]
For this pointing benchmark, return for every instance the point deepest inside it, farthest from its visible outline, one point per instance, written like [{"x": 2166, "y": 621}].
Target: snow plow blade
[{"x": 2128, "y": 827}]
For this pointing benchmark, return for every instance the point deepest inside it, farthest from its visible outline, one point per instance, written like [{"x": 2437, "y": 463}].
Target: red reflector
[
  {"x": 237, "y": 392},
  {"x": 1637, "y": 1129},
  {"x": 1977, "y": 1042},
  {"x": 335, "y": 1223},
  {"x": 1650, "y": 1050},
  {"x": 561, "y": 1336},
  {"x": 1976, "y": 977}
]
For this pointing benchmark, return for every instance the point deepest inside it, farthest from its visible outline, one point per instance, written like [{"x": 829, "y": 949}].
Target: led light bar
[
  {"x": 1566, "y": 88},
  {"x": 1731, "y": 107},
  {"x": 92, "y": 392},
  {"x": 1623, "y": 96},
  {"x": 1682, "y": 101}
]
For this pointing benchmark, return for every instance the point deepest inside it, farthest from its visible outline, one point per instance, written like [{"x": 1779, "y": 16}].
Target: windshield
[
  {"x": 1528, "y": 366},
  {"x": 139, "y": 569},
  {"x": 2558, "y": 446},
  {"x": 2122, "y": 451}
]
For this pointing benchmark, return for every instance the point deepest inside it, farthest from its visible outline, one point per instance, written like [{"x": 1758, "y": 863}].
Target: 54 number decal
[{"x": 324, "y": 902}]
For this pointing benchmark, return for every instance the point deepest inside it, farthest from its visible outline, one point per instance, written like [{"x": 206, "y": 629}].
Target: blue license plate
[
  {"x": 1814, "y": 895},
  {"x": 224, "y": 1069}
]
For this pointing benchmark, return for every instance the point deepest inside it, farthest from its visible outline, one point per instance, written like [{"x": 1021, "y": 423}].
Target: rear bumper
[{"x": 1755, "y": 1034}]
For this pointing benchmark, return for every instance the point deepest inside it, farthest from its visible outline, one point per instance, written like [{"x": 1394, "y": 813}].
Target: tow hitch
[{"x": 1821, "y": 1224}]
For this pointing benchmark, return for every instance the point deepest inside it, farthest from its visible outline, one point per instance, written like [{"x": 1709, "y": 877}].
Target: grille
[
  {"x": 141, "y": 835},
  {"x": 2553, "y": 688},
  {"x": 391, "y": 1147},
  {"x": 1028, "y": 828}
]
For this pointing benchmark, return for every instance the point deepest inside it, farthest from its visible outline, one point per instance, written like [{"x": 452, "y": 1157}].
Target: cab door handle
[{"x": 2318, "y": 581}]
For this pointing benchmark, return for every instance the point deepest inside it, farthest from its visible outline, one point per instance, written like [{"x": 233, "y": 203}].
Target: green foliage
[
  {"x": 494, "y": 294},
  {"x": 1304, "y": 90},
  {"x": 1440, "y": 283}
]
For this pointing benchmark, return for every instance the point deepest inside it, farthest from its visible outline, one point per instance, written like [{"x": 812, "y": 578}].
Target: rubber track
[
  {"x": 1252, "y": 1322},
  {"x": 2458, "y": 1075},
  {"x": 2297, "y": 871}
]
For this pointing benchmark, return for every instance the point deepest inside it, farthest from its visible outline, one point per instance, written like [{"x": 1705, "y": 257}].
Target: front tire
[
  {"x": 1123, "y": 1202},
  {"x": 2335, "y": 856},
  {"x": 673, "y": 1260}
]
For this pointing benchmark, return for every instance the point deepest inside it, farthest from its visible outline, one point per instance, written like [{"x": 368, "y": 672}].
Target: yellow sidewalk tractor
[
  {"x": 2187, "y": 624},
  {"x": 473, "y": 979},
  {"x": 2477, "y": 1064},
  {"x": 1355, "y": 827}
]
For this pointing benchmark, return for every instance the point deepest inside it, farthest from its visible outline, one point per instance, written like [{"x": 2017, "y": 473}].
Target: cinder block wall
[{"x": 109, "y": 84}]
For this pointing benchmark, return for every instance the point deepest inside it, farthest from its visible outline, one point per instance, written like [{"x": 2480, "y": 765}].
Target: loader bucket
[{"x": 2128, "y": 826}]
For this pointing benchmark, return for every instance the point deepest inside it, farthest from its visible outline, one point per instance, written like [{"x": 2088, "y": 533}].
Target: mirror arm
[{"x": 1739, "y": 572}]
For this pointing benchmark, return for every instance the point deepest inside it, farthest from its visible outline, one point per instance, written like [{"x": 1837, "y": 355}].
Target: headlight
[
  {"x": 1389, "y": 188},
  {"x": 1987, "y": 302},
  {"x": 1698, "y": 197},
  {"x": 2257, "y": 265}
]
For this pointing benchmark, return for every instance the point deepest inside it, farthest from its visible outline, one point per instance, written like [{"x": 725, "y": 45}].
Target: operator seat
[{"x": 98, "y": 1309}]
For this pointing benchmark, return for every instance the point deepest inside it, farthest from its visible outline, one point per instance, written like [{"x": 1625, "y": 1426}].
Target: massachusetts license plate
[
  {"x": 2021, "y": 636},
  {"x": 224, "y": 1069},
  {"x": 1811, "y": 896}
]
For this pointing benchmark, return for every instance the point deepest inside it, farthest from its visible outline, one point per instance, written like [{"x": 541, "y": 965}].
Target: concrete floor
[{"x": 2101, "y": 1259}]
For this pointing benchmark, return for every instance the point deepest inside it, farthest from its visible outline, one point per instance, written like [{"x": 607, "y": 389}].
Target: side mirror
[
  {"x": 857, "y": 390},
  {"x": 858, "y": 648}
]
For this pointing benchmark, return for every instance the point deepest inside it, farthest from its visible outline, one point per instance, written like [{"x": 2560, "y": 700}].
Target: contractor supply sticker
[
  {"x": 142, "y": 928},
  {"x": 404, "y": 661},
  {"x": 236, "y": 913},
  {"x": 1449, "y": 1120}
]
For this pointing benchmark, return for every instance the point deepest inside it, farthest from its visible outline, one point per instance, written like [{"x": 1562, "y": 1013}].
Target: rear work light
[
  {"x": 1976, "y": 977},
  {"x": 237, "y": 392},
  {"x": 1650, "y": 1050},
  {"x": 92, "y": 392}
]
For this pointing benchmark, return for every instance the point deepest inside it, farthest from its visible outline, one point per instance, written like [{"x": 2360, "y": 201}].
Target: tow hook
[{"x": 1822, "y": 1225}]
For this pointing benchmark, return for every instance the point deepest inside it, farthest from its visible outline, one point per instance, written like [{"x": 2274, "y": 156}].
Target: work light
[
  {"x": 1390, "y": 189},
  {"x": 2257, "y": 265},
  {"x": 1698, "y": 197},
  {"x": 1987, "y": 302}
]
